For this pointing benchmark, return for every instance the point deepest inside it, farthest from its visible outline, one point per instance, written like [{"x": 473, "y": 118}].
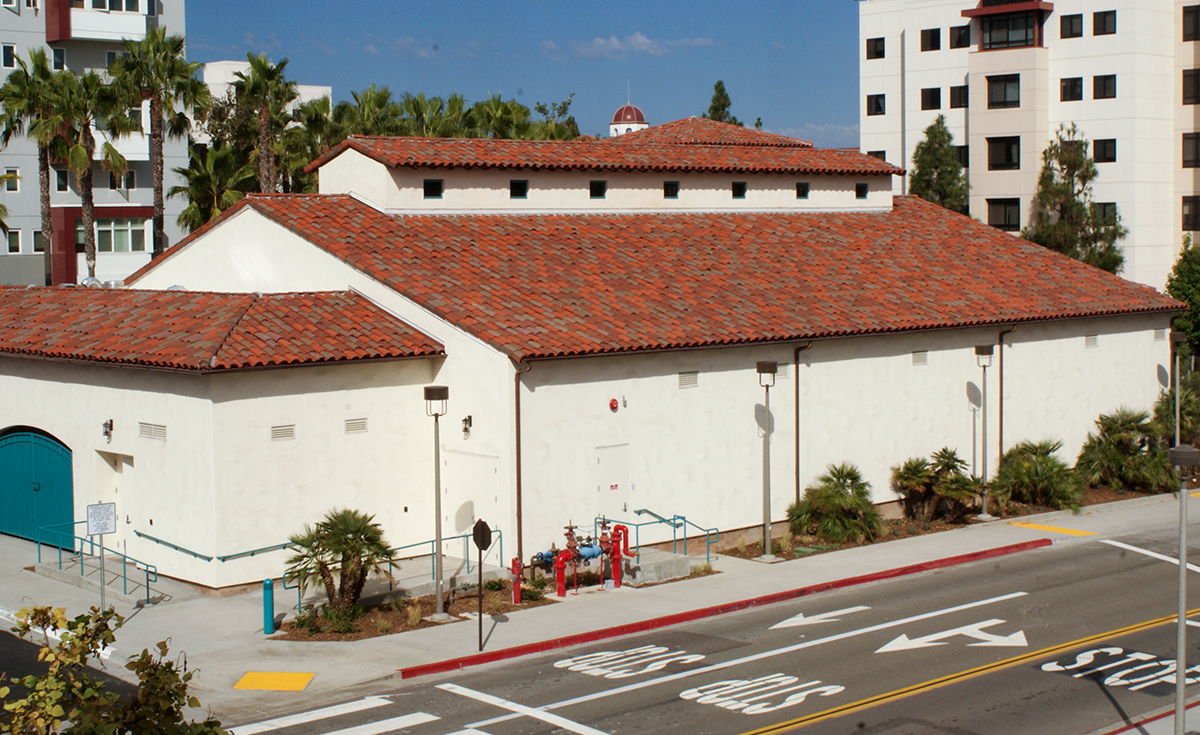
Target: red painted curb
[{"x": 708, "y": 612}]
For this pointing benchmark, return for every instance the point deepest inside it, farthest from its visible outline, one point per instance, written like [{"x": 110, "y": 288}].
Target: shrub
[
  {"x": 533, "y": 595},
  {"x": 495, "y": 606},
  {"x": 493, "y": 585},
  {"x": 308, "y": 620},
  {"x": 347, "y": 546},
  {"x": 414, "y": 615},
  {"x": 342, "y": 621},
  {"x": 701, "y": 570},
  {"x": 1189, "y": 412},
  {"x": 1125, "y": 454},
  {"x": 937, "y": 487},
  {"x": 1031, "y": 473},
  {"x": 838, "y": 509}
]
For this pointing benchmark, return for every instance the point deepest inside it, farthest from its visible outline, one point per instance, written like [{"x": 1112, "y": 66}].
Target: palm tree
[
  {"x": 216, "y": 180},
  {"x": 373, "y": 112},
  {"x": 346, "y": 543},
  {"x": 498, "y": 118},
  {"x": 313, "y": 133},
  {"x": 838, "y": 509},
  {"x": 80, "y": 106},
  {"x": 155, "y": 69},
  {"x": 266, "y": 91},
  {"x": 25, "y": 98}
]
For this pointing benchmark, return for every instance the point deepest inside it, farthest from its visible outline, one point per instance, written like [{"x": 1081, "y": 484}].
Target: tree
[
  {"x": 216, "y": 180},
  {"x": 1183, "y": 283},
  {"x": 938, "y": 486},
  {"x": 1031, "y": 473},
  {"x": 154, "y": 68},
  {"x": 838, "y": 509},
  {"x": 26, "y": 100},
  {"x": 266, "y": 91},
  {"x": 347, "y": 543},
  {"x": 557, "y": 122},
  {"x": 373, "y": 112},
  {"x": 718, "y": 109},
  {"x": 1065, "y": 219},
  {"x": 1126, "y": 453},
  {"x": 937, "y": 176}
]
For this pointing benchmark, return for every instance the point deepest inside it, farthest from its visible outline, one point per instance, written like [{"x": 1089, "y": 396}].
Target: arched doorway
[{"x": 36, "y": 488}]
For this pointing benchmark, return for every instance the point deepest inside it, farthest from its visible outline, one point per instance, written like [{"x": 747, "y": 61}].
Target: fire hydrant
[
  {"x": 517, "y": 569},
  {"x": 620, "y": 538}
]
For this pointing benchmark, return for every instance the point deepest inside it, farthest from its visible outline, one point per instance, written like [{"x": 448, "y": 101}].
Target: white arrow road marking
[
  {"x": 760, "y": 656},
  {"x": 829, "y": 617},
  {"x": 1151, "y": 554},
  {"x": 904, "y": 643},
  {"x": 311, "y": 716},
  {"x": 521, "y": 709}
]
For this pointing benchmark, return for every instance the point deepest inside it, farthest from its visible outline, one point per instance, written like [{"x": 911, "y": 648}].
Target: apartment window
[
  {"x": 1004, "y": 91},
  {"x": 8, "y": 55},
  {"x": 1191, "y": 213},
  {"x": 875, "y": 104},
  {"x": 1104, "y": 150},
  {"x": 1191, "y": 150},
  {"x": 39, "y": 242},
  {"x": 31, "y": 4},
  {"x": 60, "y": 180},
  {"x": 1004, "y": 154},
  {"x": 1191, "y": 86},
  {"x": 1191, "y": 23},
  {"x": 960, "y": 36},
  {"x": 10, "y": 179},
  {"x": 931, "y": 39},
  {"x": 931, "y": 98},
  {"x": 60, "y": 59},
  {"x": 1012, "y": 30},
  {"x": 14, "y": 241},
  {"x": 8, "y": 3},
  {"x": 802, "y": 190},
  {"x": 115, "y": 180},
  {"x": 860, "y": 191},
  {"x": 1070, "y": 26},
  {"x": 597, "y": 189},
  {"x": 1104, "y": 23},
  {"x": 518, "y": 189},
  {"x": 1071, "y": 89},
  {"x": 432, "y": 188},
  {"x": 958, "y": 97},
  {"x": 1104, "y": 87},
  {"x": 117, "y": 235},
  {"x": 874, "y": 48},
  {"x": 670, "y": 190},
  {"x": 1005, "y": 214},
  {"x": 1106, "y": 211},
  {"x": 739, "y": 190},
  {"x": 881, "y": 155},
  {"x": 963, "y": 154}
]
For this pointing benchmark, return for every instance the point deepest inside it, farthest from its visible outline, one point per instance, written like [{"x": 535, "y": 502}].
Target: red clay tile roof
[
  {"x": 726, "y": 151},
  {"x": 539, "y": 286},
  {"x": 702, "y": 131},
  {"x": 202, "y": 332}
]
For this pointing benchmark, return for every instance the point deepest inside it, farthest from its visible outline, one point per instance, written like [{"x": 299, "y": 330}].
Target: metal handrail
[
  {"x": 675, "y": 522},
  {"x": 171, "y": 545},
  {"x": 466, "y": 537},
  {"x": 149, "y": 569},
  {"x": 644, "y": 511},
  {"x": 263, "y": 550}
]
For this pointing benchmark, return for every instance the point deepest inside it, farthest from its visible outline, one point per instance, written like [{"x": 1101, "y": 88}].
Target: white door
[
  {"x": 470, "y": 490},
  {"x": 612, "y": 484}
]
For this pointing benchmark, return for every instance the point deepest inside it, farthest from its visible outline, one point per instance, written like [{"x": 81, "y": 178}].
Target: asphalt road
[
  {"x": 1060, "y": 640},
  {"x": 18, "y": 658}
]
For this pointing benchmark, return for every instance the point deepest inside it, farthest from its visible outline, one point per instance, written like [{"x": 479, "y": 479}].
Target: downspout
[
  {"x": 1000, "y": 398},
  {"x": 517, "y": 411},
  {"x": 796, "y": 409}
]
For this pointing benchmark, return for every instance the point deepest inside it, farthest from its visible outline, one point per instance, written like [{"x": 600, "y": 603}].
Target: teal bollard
[{"x": 268, "y": 607}]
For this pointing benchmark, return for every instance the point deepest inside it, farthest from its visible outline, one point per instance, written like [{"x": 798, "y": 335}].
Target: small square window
[
  {"x": 8, "y": 3},
  {"x": 597, "y": 189},
  {"x": 1191, "y": 86},
  {"x": 874, "y": 48},
  {"x": 670, "y": 190},
  {"x": 881, "y": 155},
  {"x": 1004, "y": 91},
  {"x": 518, "y": 189},
  {"x": 1104, "y": 23},
  {"x": 1191, "y": 213},
  {"x": 39, "y": 242},
  {"x": 1071, "y": 89},
  {"x": 14, "y": 241},
  {"x": 875, "y": 104},
  {"x": 1005, "y": 214},
  {"x": 1070, "y": 26},
  {"x": 959, "y": 97},
  {"x": 110, "y": 57},
  {"x": 802, "y": 190},
  {"x": 115, "y": 180},
  {"x": 931, "y": 39},
  {"x": 60, "y": 180},
  {"x": 1191, "y": 150},
  {"x": 60, "y": 59},
  {"x": 739, "y": 190},
  {"x": 1104, "y": 150},
  {"x": 963, "y": 154},
  {"x": 860, "y": 191},
  {"x": 1104, "y": 87},
  {"x": 1004, "y": 154},
  {"x": 8, "y": 55},
  {"x": 931, "y": 98},
  {"x": 960, "y": 36},
  {"x": 10, "y": 179},
  {"x": 1106, "y": 211},
  {"x": 432, "y": 188},
  {"x": 1191, "y": 23}
]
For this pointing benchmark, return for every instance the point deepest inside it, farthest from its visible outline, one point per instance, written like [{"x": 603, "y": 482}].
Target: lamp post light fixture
[
  {"x": 983, "y": 358},
  {"x": 1177, "y": 340},
  {"x": 1182, "y": 456},
  {"x": 436, "y": 397},
  {"x": 766, "y": 378}
]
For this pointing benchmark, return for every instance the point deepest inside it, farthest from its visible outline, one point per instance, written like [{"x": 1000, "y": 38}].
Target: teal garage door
[{"x": 35, "y": 488}]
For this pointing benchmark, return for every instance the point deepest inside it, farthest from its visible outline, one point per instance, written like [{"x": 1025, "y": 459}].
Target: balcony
[{"x": 88, "y": 24}]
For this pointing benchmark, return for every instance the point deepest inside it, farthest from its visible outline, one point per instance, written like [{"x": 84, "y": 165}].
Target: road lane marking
[
  {"x": 382, "y": 726},
  {"x": 907, "y": 691},
  {"x": 827, "y": 617},
  {"x": 533, "y": 712},
  {"x": 1151, "y": 554},
  {"x": 763, "y": 655},
  {"x": 312, "y": 716},
  {"x": 1054, "y": 529},
  {"x": 274, "y": 681},
  {"x": 904, "y": 643}
]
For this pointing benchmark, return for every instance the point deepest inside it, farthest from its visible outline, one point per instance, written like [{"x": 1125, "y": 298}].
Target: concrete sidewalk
[{"x": 223, "y": 636}]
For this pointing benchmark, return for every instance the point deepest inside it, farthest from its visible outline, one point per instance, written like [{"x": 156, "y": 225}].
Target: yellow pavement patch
[
  {"x": 1195, "y": 495},
  {"x": 275, "y": 681},
  {"x": 1055, "y": 529}
]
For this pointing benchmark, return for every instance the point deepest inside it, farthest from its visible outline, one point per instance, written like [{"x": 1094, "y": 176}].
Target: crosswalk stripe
[
  {"x": 312, "y": 716},
  {"x": 395, "y": 723}
]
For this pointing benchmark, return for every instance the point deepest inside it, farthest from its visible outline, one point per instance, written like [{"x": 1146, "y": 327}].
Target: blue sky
[{"x": 794, "y": 64}]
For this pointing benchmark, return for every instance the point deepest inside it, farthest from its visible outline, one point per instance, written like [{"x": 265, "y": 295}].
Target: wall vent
[
  {"x": 921, "y": 357},
  {"x": 1089, "y": 340},
  {"x": 1160, "y": 335},
  {"x": 689, "y": 379},
  {"x": 781, "y": 370},
  {"x": 356, "y": 426},
  {"x": 283, "y": 433},
  {"x": 152, "y": 431}
]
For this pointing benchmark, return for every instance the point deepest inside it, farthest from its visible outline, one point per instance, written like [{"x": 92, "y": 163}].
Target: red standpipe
[
  {"x": 620, "y": 538},
  {"x": 517, "y": 570},
  {"x": 560, "y": 573}
]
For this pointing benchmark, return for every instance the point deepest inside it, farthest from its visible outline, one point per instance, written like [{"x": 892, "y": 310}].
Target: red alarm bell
[{"x": 612, "y": 405}]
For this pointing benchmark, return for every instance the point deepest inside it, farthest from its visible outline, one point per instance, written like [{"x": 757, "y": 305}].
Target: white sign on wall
[{"x": 101, "y": 519}]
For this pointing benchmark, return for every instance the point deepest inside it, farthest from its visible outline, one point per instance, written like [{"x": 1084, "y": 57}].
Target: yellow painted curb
[
  {"x": 275, "y": 681},
  {"x": 1055, "y": 529}
]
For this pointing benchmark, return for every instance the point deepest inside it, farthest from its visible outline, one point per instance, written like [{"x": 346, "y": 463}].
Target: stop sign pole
[{"x": 483, "y": 539}]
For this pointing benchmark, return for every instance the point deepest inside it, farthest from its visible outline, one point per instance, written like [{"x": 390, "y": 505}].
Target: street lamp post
[
  {"x": 983, "y": 357},
  {"x": 1177, "y": 340},
  {"x": 1182, "y": 456},
  {"x": 436, "y": 397},
  {"x": 766, "y": 378}
]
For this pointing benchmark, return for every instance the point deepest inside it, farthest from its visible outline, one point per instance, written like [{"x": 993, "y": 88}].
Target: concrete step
[{"x": 124, "y": 581}]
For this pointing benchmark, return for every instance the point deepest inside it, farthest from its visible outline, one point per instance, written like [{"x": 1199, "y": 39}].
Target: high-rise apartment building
[
  {"x": 82, "y": 35},
  {"x": 1007, "y": 73}
]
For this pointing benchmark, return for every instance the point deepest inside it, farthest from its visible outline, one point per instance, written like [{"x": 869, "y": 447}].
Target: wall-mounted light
[
  {"x": 107, "y": 426},
  {"x": 466, "y": 426}
]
